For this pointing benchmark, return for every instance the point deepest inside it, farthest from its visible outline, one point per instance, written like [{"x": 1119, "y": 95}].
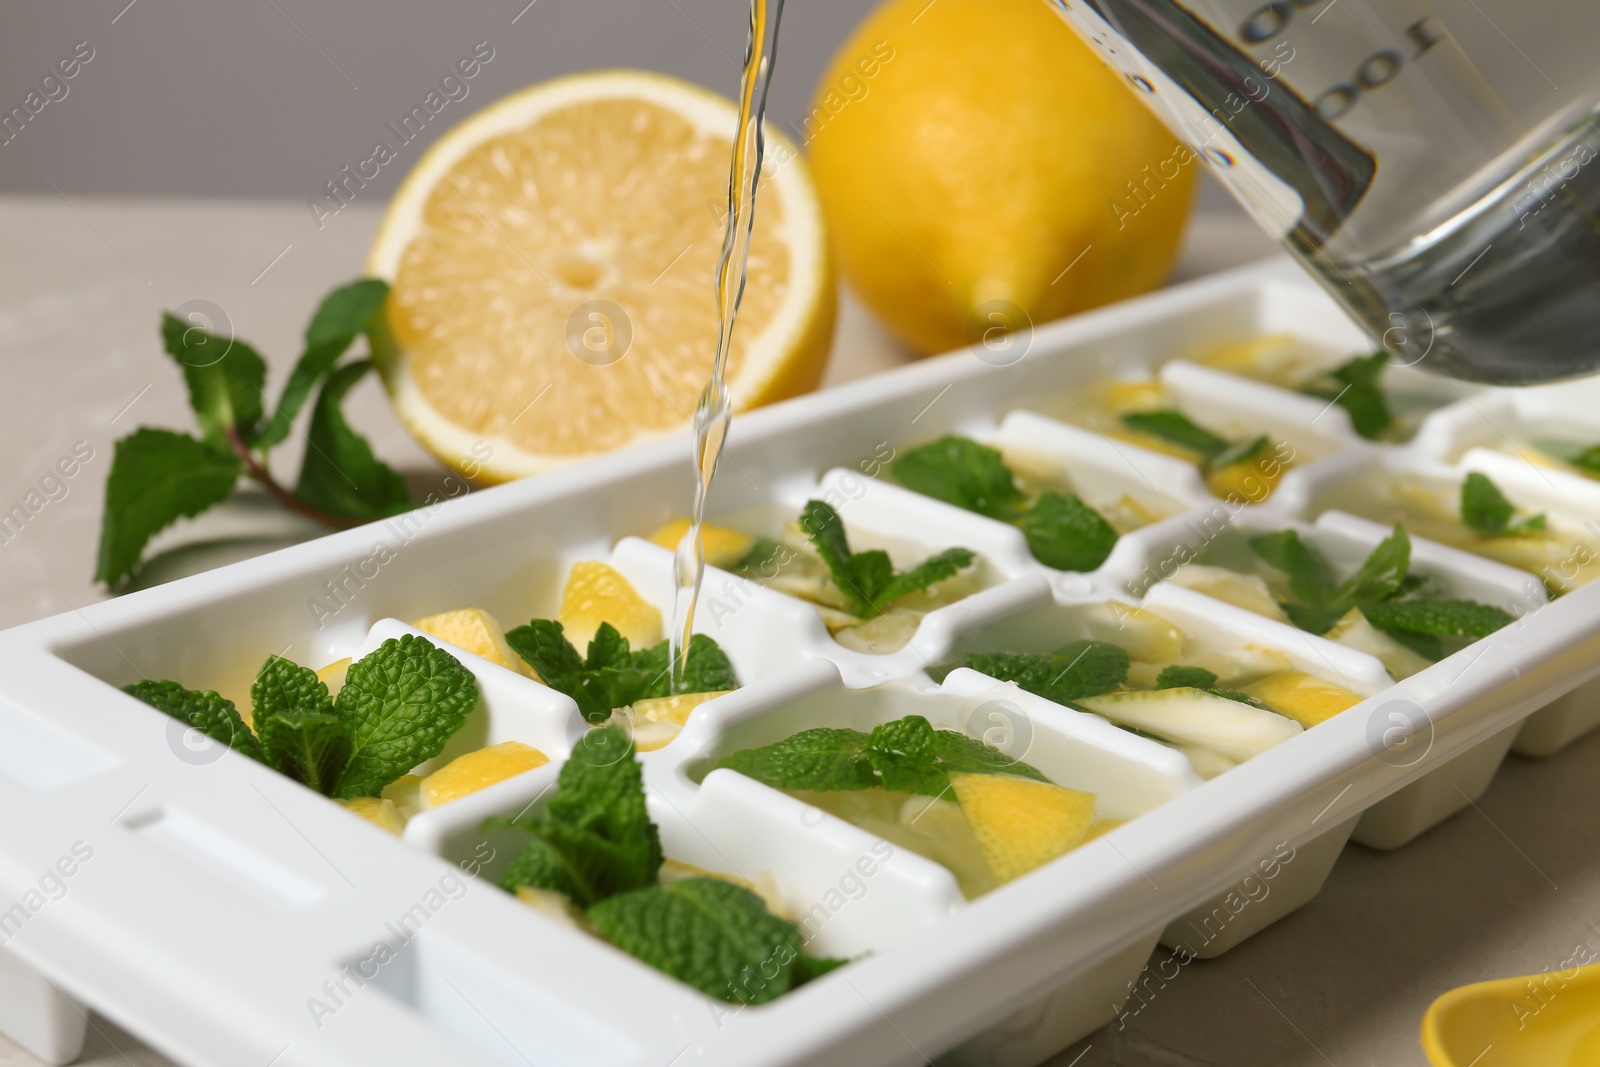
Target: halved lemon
[{"x": 551, "y": 264}]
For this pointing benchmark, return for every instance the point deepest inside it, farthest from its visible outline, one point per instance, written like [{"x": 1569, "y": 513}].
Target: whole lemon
[{"x": 974, "y": 156}]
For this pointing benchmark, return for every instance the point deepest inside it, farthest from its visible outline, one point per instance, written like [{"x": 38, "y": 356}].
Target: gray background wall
[{"x": 273, "y": 97}]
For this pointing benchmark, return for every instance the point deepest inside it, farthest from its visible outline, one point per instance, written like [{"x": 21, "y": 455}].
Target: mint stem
[{"x": 264, "y": 478}]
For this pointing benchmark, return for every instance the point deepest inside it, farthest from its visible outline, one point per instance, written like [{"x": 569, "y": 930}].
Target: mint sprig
[
  {"x": 868, "y": 580},
  {"x": 907, "y": 756},
  {"x": 398, "y": 707},
  {"x": 1062, "y": 531},
  {"x": 595, "y": 844},
  {"x": 611, "y": 675},
  {"x": 1354, "y": 386},
  {"x": 1176, "y": 428},
  {"x": 160, "y": 476},
  {"x": 1485, "y": 510},
  {"x": 1074, "y": 671},
  {"x": 1382, "y": 587}
]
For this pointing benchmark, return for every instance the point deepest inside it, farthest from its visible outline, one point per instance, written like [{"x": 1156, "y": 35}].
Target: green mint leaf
[
  {"x": 1485, "y": 510},
  {"x": 1441, "y": 618},
  {"x": 867, "y": 580},
  {"x": 1078, "y": 670},
  {"x": 282, "y": 685},
  {"x": 763, "y": 557},
  {"x": 157, "y": 477},
  {"x": 225, "y": 378},
  {"x": 1588, "y": 460},
  {"x": 956, "y": 752},
  {"x": 212, "y": 715},
  {"x": 870, "y": 573},
  {"x": 540, "y": 865},
  {"x": 1382, "y": 575},
  {"x": 930, "y": 571},
  {"x": 808, "y": 968},
  {"x": 339, "y": 320},
  {"x": 607, "y": 648},
  {"x": 1314, "y": 618},
  {"x": 825, "y": 530},
  {"x": 707, "y": 933},
  {"x": 313, "y": 748},
  {"x": 821, "y": 760},
  {"x": 708, "y": 669},
  {"x": 544, "y": 644},
  {"x": 1176, "y": 428},
  {"x": 960, "y": 471},
  {"x": 1310, "y": 578},
  {"x": 294, "y": 718},
  {"x": 1240, "y": 452},
  {"x": 1065, "y": 533},
  {"x": 903, "y": 754},
  {"x": 401, "y": 704},
  {"x": 1176, "y": 677},
  {"x": 340, "y": 474},
  {"x": 595, "y": 838},
  {"x": 1354, "y": 387}
]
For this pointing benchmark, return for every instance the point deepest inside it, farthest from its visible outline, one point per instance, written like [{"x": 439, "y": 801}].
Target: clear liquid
[
  {"x": 1508, "y": 291},
  {"x": 714, "y": 411},
  {"x": 1442, "y": 183}
]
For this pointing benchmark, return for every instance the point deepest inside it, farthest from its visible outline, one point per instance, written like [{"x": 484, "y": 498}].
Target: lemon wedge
[
  {"x": 479, "y": 770},
  {"x": 562, "y": 241},
  {"x": 597, "y": 593},
  {"x": 475, "y": 631},
  {"x": 1021, "y": 823},
  {"x": 1302, "y": 697},
  {"x": 725, "y": 548}
]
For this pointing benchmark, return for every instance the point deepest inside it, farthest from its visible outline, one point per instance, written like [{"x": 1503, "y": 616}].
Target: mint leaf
[
  {"x": 311, "y": 747},
  {"x": 902, "y": 753},
  {"x": 612, "y": 676},
  {"x": 931, "y": 571},
  {"x": 821, "y": 760},
  {"x": 225, "y": 378},
  {"x": 1310, "y": 578},
  {"x": 595, "y": 838},
  {"x": 1442, "y": 618},
  {"x": 707, "y": 669},
  {"x": 1485, "y": 510},
  {"x": 1588, "y": 460},
  {"x": 339, "y": 473},
  {"x": 956, "y": 752},
  {"x": 1239, "y": 452},
  {"x": 157, "y": 477},
  {"x": 1176, "y": 428},
  {"x": 339, "y": 320},
  {"x": 401, "y": 703},
  {"x": 1383, "y": 574},
  {"x": 763, "y": 557},
  {"x": 1176, "y": 677},
  {"x": 1081, "y": 669},
  {"x": 1065, "y": 533},
  {"x": 607, "y": 648},
  {"x": 707, "y": 933},
  {"x": 212, "y": 715},
  {"x": 294, "y": 718},
  {"x": 1354, "y": 387},
  {"x": 960, "y": 471},
  {"x": 867, "y": 580},
  {"x": 906, "y": 755},
  {"x": 1316, "y": 619},
  {"x": 808, "y": 968}
]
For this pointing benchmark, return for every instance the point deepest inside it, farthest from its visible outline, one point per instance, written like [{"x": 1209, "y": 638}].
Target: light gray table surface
[{"x": 1508, "y": 887}]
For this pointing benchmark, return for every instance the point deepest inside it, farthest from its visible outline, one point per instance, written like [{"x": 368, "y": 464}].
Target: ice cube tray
[{"x": 227, "y": 915}]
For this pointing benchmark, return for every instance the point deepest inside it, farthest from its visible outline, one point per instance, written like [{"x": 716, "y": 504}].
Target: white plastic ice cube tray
[{"x": 227, "y": 915}]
